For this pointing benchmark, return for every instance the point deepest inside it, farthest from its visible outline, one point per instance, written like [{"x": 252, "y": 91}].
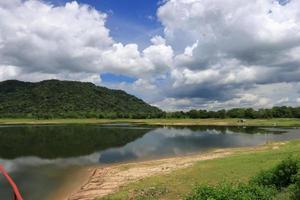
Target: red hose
[{"x": 16, "y": 193}]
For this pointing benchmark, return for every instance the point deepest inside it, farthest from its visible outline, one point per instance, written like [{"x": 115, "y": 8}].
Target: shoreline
[
  {"x": 99, "y": 181},
  {"x": 68, "y": 185},
  {"x": 279, "y": 122}
]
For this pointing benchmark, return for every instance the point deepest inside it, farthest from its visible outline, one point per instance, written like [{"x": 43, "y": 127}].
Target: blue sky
[
  {"x": 116, "y": 78},
  {"x": 130, "y": 21}
]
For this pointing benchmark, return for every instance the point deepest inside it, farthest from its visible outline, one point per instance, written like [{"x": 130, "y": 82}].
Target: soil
[{"x": 99, "y": 181}]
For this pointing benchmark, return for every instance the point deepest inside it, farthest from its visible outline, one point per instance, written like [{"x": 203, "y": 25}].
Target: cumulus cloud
[
  {"x": 173, "y": 104},
  {"x": 37, "y": 37},
  {"x": 213, "y": 54},
  {"x": 228, "y": 48},
  {"x": 127, "y": 59}
]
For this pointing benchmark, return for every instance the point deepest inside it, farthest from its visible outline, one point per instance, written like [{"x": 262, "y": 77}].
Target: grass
[
  {"x": 189, "y": 122},
  {"x": 236, "y": 168}
]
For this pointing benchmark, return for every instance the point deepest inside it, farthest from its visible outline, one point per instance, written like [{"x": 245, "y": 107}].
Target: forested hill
[{"x": 62, "y": 99}]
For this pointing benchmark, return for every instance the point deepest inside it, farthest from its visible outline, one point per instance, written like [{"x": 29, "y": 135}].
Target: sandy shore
[
  {"x": 98, "y": 181},
  {"x": 71, "y": 183}
]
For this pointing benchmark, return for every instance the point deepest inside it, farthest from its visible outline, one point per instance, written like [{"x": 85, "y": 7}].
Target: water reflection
[
  {"x": 170, "y": 141},
  {"x": 43, "y": 154},
  {"x": 22, "y": 146},
  {"x": 62, "y": 141}
]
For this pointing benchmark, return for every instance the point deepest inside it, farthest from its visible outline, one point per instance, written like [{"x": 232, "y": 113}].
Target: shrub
[
  {"x": 151, "y": 193},
  {"x": 296, "y": 188},
  {"x": 229, "y": 192},
  {"x": 264, "y": 186},
  {"x": 281, "y": 176}
]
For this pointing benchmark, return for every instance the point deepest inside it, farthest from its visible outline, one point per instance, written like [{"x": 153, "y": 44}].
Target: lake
[{"x": 39, "y": 157}]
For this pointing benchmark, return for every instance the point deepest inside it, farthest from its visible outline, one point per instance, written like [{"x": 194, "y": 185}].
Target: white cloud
[
  {"x": 172, "y": 104},
  {"x": 36, "y": 37},
  {"x": 159, "y": 54},
  {"x": 244, "y": 100},
  {"x": 127, "y": 59},
  {"x": 8, "y": 72},
  {"x": 283, "y": 100},
  {"x": 259, "y": 96},
  {"x": 212, "y": 31},
  {"x": 189, "y": 77},
  {"x": 39, "y": 37},
  {"x": 225, "y": 49},
  {"x": 141, "y": 84},
  {"x": 158, "y": 40},
  {"x": 213, "y": 53}
]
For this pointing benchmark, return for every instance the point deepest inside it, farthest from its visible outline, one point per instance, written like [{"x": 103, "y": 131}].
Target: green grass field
[
  {"x": 234, "y": 169},
  {"x": 174, "y": 122}
]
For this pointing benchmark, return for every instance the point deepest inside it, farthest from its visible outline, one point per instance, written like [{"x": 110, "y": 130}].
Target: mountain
[{"x": 69, "y": 99}]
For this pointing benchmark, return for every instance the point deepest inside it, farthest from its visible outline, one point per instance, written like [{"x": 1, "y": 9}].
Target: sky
[
  {"x": 174, "y": 54},
  {"x": 129, "y": 21}
]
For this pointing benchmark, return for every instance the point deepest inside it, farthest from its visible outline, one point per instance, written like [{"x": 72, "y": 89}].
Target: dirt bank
[{"x": 99, "y": 181}]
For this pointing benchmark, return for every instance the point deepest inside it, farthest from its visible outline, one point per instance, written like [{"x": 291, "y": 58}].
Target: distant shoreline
[{"x": 282, "y": 122}]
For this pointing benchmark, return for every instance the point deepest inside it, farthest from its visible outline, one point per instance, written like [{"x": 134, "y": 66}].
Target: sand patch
[{"x": 102, "y": 181}]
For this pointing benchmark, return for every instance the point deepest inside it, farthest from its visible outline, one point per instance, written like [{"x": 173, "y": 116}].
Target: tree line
[{"x": 247, "y": 113}]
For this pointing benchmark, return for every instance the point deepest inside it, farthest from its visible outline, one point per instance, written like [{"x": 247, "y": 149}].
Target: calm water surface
[{"x": 37, "y": 157}]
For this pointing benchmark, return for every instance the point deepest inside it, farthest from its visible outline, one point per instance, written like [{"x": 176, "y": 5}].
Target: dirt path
[{"x": 102, "y": 181}]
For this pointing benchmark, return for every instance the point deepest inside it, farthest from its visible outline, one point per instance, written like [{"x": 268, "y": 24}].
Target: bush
[
  {"x": 296, "y": 188},
  {"x": 229, "y": 192},
  {"x": 281, "y": 176},
  {"x": 265, "y": 186}
]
